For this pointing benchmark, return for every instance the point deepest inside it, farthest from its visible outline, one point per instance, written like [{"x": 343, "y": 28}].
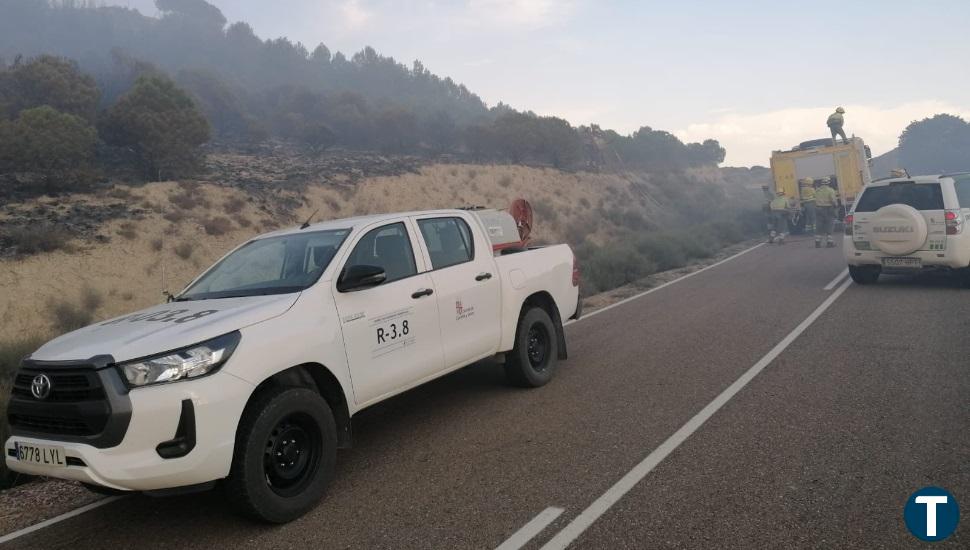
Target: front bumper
[{"x": 135, "y": 463}]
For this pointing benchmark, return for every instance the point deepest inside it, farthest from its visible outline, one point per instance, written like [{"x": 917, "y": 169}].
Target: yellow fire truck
[{"x": 846, "y": 164}]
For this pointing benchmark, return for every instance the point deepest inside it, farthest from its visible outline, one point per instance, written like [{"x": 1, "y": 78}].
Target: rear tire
[
  {"x": 532, "y": 362},
  {"x": 285, "y": 455},
  {"x": 864, "y": 275}
]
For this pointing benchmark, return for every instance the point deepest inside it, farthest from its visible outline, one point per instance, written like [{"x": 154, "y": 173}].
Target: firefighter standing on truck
[
  {"x": 826, "y": 202},
  {"x": 835, "y": 122},
  {"x": 779, "y": 218},
  {"x": 807, "y": 192}
]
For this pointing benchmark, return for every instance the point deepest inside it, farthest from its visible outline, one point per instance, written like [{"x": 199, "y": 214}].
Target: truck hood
[{"x": 164, "y": 327}]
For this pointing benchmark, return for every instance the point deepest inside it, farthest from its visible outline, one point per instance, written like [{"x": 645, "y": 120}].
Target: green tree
[
  {"x": 49, "y": 80},
  {"x": 559, "y": 142},
  {"x": 58, "y": 146},
  {"x": 161, "y": 123},
  {"x": 935, "y": 145},
  {"x": 709, "y": 153}
]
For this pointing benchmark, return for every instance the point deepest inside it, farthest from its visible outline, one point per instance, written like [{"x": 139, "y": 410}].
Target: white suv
[{"x": 902, "y": 225}]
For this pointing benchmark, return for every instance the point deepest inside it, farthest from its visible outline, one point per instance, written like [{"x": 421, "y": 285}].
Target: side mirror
[{"x": 359, "y": 277}]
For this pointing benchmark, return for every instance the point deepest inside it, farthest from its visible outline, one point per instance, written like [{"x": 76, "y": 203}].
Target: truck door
[
  {"x": 391, "y": 331},
  {"x": 783, "y": 170},
  {"x": 467, "y": 286}
]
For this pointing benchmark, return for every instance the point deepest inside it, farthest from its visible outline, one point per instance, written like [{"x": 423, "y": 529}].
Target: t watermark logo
[{"x": 931, "y": 514}]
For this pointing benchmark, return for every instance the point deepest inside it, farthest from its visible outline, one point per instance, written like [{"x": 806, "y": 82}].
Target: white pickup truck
[{"x": 253, "y": 373}]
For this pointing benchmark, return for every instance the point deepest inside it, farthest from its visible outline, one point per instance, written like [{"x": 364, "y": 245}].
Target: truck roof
[{"x": 349, "y": 223}]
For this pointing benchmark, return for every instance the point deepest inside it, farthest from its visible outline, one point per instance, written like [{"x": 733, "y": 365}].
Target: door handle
[
  {"x": 422, "y": 293},
  {"x": 483, "y": 276}
]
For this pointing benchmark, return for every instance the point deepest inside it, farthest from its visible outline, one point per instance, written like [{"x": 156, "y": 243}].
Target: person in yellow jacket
[
  {"x": 780, "y": 211},
  {"x": 826, "y": 202},
  {"x": 807, "y": 192},
  {"x": 835, "y": 122}
]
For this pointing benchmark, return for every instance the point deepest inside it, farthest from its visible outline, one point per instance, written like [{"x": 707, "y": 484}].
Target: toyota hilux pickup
[{"x": 252, "y": 374}]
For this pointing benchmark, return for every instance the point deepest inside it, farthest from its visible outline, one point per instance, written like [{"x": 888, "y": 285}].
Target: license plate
[
  {"x": 903, "y": 263},
  {"x": 42, "y": 455}
]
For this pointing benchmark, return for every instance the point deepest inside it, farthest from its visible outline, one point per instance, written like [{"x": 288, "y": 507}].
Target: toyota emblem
[{"x": 40, "y": 386}]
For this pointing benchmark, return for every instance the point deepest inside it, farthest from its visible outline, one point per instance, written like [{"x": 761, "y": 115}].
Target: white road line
[
  {"x": 836, "y": 280},
  {"x": 521, "y": 537},
  {"x": 634, "y": 476},
  {"x": 668, "y": 283},
  {"x": 57, "y": 519}
]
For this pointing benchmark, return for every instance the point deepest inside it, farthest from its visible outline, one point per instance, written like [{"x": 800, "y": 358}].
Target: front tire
[
  {"x": 532, "y": 361},
  {"x": 285, "y": 455},
  {"x": 864, "y": 275}
]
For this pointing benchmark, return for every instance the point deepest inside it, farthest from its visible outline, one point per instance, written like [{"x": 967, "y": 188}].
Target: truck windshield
[
  {"x": 921, "y": 196},
  {"x": 275, "y": 265}
]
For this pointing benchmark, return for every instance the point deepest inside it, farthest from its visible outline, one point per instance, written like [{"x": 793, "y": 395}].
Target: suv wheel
[
  {"x": 285, "y": 454},
  {"x": 864, "y": 274},
  {"x": 532, "y": 361}
]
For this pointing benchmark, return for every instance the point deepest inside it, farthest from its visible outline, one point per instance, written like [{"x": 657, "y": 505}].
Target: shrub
[
  {"x": 91, "y": 298},
  {"x": 611, "y": 266},
  {"x": 35, "y": 239},
  {"x": 157, "y": 244},
  {"x": 217, "y": 226},
  {"x": 545, "y": 211},
  {"x": 174, "y": 216},
  {"x": 127, "y": 230},
  {"x": 244, "y": 221},
  {"x": 68, "y": 316},
  {"x": 184, "y": 250},
  {"x": 584, "y": 202},
  {"x": 233, "y": 205},
  {"x": 663, "y": 250},
  {"x": 505, "y": 181},
  {"x": 332, "y": 204}
]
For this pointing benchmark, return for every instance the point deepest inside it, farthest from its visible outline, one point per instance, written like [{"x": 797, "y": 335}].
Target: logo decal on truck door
[
  {"x": 462, "y": 311},
  {"x": 392, "y": 332}
]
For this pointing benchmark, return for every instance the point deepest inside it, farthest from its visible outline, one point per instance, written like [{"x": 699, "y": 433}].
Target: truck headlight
[{"x": 189, "y": 362}]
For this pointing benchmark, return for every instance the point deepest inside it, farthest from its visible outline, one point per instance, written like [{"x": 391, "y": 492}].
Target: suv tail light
[
  {"x": 954, "y": 222},
  {"x": 575, "y": 270},
  {"x": 848, "y": 224}
]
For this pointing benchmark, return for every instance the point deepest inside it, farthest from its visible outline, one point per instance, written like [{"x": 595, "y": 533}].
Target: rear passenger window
[
  {"x": 921, "y": 196},
  {"x": 449, "y": 241},
  {"x": 962, "y": 186}
]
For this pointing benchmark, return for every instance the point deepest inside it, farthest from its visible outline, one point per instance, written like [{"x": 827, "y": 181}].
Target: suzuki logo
[
  {"x": 893, "y": 229},
  {"x": 40, "y": 386}
]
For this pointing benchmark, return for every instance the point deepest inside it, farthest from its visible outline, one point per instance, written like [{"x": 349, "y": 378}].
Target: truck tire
[
  {"x": 864, "y": 275},
  {"x": 532, "y": 361},
  {"x": 286, "y": 449}
]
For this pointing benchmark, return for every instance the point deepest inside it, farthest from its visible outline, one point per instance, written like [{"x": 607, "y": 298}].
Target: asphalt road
[{"x": 819, "y": 450}]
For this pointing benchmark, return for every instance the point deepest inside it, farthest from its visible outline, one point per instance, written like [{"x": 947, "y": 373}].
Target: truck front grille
[{"x": 83, "y": 404}]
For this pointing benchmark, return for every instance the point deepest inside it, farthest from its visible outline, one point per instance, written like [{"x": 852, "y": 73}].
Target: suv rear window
[
  {"x": 921, "y": 196},
  {"x": 962, "y": 186}
]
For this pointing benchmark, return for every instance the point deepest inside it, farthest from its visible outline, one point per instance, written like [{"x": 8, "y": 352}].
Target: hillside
[{"x": 116, "y": 250}]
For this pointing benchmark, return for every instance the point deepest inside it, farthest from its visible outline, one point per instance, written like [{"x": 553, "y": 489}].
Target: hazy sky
[{"x": 756, "y": 75}]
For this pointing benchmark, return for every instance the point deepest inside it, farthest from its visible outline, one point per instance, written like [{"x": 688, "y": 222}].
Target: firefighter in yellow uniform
[
  {"x": 780, "y": 207},
  {"x": 807, "y": 186},
  {"x": 826, "y": 202},
  {"x": 835, "y": 122}
]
